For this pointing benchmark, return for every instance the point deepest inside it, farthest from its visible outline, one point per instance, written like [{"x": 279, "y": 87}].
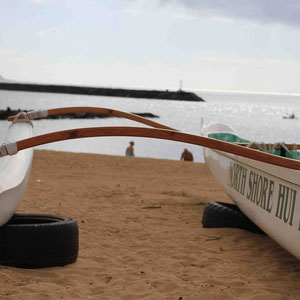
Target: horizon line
[{"x": 295, "y": 94}]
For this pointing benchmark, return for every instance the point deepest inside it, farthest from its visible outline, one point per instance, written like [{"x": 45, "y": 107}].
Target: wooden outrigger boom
[
  {"x": 159, "y": 134},
  {"x": 94, "y": 110}
]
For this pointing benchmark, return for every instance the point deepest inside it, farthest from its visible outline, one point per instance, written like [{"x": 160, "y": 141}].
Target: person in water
[
  {"x": 187, "y": 155},
  {"x": 130, "y": 149}
]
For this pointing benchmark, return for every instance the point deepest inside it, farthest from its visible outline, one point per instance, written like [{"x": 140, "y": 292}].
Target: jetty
[{"x": 179, "y": 95}]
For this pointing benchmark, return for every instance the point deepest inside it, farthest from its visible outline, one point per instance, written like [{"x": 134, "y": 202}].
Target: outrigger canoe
[
  {"x": 267, "y": 194},
  {"x": 264, "y": 185},
  {"x": 289, "y": 116}
]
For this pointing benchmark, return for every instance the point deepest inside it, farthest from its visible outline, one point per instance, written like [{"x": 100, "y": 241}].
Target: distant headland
[{"x": 179, "y": 95}]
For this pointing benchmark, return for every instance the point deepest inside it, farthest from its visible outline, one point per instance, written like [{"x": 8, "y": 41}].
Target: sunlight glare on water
[{"x": 257, "y": 117}]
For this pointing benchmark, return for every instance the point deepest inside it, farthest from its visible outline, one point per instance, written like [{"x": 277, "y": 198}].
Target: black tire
[
  {"x": 226, "y": 215},
  {"x": 37, "y": 241}
]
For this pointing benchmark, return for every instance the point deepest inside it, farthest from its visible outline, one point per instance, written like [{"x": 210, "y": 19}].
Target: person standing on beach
[
  {"x": 130, "y": 149},
  {"x": 187, "y": 155}
]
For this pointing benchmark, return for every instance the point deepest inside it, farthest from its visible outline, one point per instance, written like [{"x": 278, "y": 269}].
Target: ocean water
[{"x": 257, "y": 117}]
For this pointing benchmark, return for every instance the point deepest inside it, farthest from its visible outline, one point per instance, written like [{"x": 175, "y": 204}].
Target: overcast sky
[{"x": 237, "y": 45}]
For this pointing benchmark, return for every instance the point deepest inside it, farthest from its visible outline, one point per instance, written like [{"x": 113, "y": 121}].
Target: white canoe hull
[
  {"x": 14, "y": 172},
  {"x": 266, "y": 194}
]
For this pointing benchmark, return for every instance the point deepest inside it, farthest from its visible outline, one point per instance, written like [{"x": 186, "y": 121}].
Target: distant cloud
[
  {"x": 283, "y": 12},
  {"x": 36, "y": 1},
  {"x": 132, "y": 11},
  {"x": 45, "y": 33}
]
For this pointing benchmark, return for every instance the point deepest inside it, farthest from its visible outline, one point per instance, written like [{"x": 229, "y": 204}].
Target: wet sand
[{"x": 141, "y": 235}]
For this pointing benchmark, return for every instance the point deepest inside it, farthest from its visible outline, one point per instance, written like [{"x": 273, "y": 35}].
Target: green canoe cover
[{"x": 232, "y": 138}]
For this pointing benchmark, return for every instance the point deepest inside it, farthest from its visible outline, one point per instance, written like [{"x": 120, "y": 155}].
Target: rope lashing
[
  {"x": 37, "y": 114},
  {"x": 258, "y": 146},
  {"x": 293, "y": 153},
  {"x": 8, "y": 149},
  {"x": 12, "y": 148},
  {"x": 282, "y": 144},
  {"x": 31, "y": 115},
  {"x": 270, "y": 148},
  {"x": 18, "y": 120}
]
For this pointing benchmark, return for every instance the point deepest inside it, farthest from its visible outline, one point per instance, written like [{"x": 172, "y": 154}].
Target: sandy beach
[{"x": 141, "y": 235}]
